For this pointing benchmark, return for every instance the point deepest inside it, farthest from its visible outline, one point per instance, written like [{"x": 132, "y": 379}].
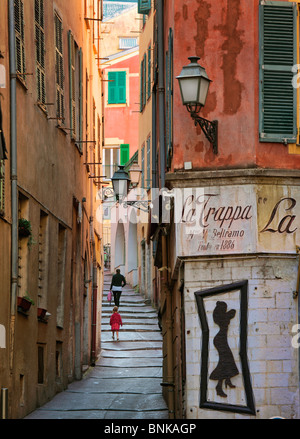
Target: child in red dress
[{"x": 115, "y": 323}]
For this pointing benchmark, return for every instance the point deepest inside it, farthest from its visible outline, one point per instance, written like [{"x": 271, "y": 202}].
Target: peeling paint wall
[{"x": 224, "y": 34}]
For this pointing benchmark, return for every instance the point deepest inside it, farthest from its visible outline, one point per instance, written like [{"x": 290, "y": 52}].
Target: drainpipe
[
  {"x": 165, "y": 287},
  {"x": 94, "y": 284},
  {"x": 161, "y": 89},
  {"x": 154, "y": 139},
  {"x": 14, "y": 188}
]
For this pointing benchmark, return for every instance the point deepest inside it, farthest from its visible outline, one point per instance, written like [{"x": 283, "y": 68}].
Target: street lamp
[
  {"x": 194, "y": 84},
  {"x": 120, "y": 181},
  {"x": 121, "y": 184}
]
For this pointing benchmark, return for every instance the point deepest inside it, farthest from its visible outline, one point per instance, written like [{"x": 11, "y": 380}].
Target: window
[
  {"x": 59, "y": 68},
  {"x": 278, "y": 54},
  {"x": 127, "y": 43},
  {"x": 40, "y": 51},
  {"x": 144, "y": 6},
  {"x": 117, "y": 87},
  {"x": 124, "y": 154},
  {"x": 110, "y": 161},
  {"x": 19, "y": 39}
]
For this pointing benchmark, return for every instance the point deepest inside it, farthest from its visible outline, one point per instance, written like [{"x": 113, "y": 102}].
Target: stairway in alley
[
  {"x": 133, "y": 365},
  {"x": 125, "y": 382}
]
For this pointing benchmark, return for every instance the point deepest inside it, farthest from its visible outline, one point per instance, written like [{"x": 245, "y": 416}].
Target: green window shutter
[
  {"x": 277, "y": 55},
  {"x": 148, "y": 162},
  {"x": 149, "y": 73},
  {"x": 144, "y": 6},
  {"x": 144, "y": 80},
  {"x": 80, "y": 123},
  {"x": 143, "y": 166},
  {"x": 117, "y": 87},
  {"x": 124, "y": 154},
  {"x": 141, "y": 86}
]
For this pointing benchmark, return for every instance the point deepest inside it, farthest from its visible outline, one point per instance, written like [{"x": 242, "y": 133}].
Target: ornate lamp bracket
[{"x": 209, "y": 128}]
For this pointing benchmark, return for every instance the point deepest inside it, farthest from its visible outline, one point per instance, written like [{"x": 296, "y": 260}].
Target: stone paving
[{"x": 125, "y": 382}]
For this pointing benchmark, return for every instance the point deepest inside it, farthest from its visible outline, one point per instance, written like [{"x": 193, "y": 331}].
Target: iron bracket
[{"x": 209, "y": 128}]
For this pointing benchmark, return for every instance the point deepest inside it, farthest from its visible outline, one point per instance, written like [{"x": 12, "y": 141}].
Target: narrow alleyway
[{"x": 125, "y": 382}]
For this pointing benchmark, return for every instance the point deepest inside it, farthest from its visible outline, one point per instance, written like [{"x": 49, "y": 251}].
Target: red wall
[
  {"x": 123, "y": 121},
  {"x": 224, "y": 34}
]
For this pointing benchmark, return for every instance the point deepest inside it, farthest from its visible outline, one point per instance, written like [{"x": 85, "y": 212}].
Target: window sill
[
  {"x": 21, "y": 81},
  {"x": 42, "y": 108},
  {"x": 62, "y": 129}
]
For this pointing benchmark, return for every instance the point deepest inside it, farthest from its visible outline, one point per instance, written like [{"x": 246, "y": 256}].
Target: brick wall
[{"x": 272, "y": 312}]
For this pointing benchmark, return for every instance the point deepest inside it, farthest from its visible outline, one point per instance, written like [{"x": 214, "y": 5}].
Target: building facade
[
  {"x": 120, "y": 70},
  {"x": 227, "y": 256},
  {"x": 51, "y": 254}
]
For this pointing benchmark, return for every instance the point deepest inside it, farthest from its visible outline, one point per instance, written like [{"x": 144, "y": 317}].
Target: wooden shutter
[
  {"x": 124, "y": 154},
  {"x": 148, "y": 162},
  {"x": 19, "y": 39},
  {"x": 143, "y": 166},
  {"x": 149, "y": 73},
  {"x": 40, "y": 51},
  {"x": 278, "y": 54},
  {"x": 141, "y": 86},
  {"x": 117, "y": 87},
  {"x": 145, "y": 80},
  {"x": 59, "y": 67},
  {"x": 80, "y": 123},
  {"x": 122, "y": 87},
  {"x": 72, "y": 85},
  {"x": 144, "y": 6}
]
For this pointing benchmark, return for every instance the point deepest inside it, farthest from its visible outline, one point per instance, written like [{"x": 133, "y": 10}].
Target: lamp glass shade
[
  {"x": 135, "y": 173},
  {"x": 189, "y": 90},
  {"x": 194, "y": 84},
  {"x": 203, "y": 90},
  {"x": 120, "y": 182}
]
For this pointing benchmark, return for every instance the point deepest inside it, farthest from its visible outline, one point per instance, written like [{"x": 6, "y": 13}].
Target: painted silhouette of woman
[{"x": 226, "y": 368}]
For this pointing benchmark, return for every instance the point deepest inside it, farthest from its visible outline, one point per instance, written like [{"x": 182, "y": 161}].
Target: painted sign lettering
[{"x": 286, "y": 223}]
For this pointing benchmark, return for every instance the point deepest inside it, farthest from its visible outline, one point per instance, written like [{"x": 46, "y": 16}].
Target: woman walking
[{"x": 117, "y": 283}]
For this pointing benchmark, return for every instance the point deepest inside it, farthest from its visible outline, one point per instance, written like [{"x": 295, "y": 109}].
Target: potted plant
[
  {"x": 41, "y": 313},
  {"x": 24, "y": 303},
  {"x": 24, "y": 228}
]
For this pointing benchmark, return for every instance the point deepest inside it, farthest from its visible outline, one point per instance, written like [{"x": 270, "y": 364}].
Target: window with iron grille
[
  {"x": 59, "y": 67},
  {"x": 40, "y": 51},
  {"x": 20, "y": 39}
]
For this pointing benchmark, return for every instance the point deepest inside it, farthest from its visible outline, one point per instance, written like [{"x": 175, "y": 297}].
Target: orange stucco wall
[{"x": 224, "y": 34}]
